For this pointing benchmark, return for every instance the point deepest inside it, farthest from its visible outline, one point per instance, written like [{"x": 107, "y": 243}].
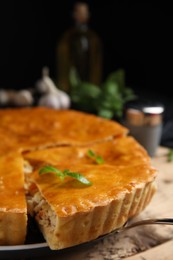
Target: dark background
[{"x": 136, "y": 36}]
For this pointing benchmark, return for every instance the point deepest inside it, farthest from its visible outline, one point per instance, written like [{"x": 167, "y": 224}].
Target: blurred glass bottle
[{"x": 79, "y": 48}]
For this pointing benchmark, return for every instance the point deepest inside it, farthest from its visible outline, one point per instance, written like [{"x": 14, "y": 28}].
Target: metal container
[{"x": 145, "y": 125}]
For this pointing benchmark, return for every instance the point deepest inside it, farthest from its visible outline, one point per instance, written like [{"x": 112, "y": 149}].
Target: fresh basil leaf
[
  {"x": 91, "y": 153},
  {"x": 84, "y": 97},
  {"x": 106, "y": 113},
  {"x": 97, "y": 158},
  {"x": 49, "y": 169},
  {"x": 66, "y": 172},
  {"x": 118, "y": 77},
  {"x": 78, "y": 177},
  {"x": 90, "y": 89},
  {"x": 110, "y": 88},
  {"x": 107, "y": 100}
]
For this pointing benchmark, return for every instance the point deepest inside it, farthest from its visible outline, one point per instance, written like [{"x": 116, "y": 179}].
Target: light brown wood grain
[{"x": 161, "y": 252}]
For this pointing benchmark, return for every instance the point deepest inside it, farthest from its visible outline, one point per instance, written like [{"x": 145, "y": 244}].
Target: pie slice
[
  {"x": 39, "y": 128},
  {"x": 13, "y": 208},
  {"x": 124, "y": 151},
  {"x": 69, "y": 213}
]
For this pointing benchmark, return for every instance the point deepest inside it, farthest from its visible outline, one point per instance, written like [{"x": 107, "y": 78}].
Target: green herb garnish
[
  {"x": 65, "y": 173},
  {"x": 106, "y": 100},
  {"x": 97, "y": 158},
  {"x": 170, "y": 155}
]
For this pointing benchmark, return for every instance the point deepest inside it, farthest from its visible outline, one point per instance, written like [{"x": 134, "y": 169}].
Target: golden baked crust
[
  {"x": 84, "y": 213},
  {"x": 38, "y": 128},
  {"x": 124, "y": 151},
  {"x": 69, "y": 196},
  {"x": 13, "y": 210},
  {"x": 67, "y": 212}
]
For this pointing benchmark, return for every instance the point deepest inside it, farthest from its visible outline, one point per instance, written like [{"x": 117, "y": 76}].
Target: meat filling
[{"x": 36, "y": 204}]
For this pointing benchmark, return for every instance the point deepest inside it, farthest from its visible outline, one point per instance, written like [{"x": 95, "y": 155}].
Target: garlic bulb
[
  {"x": 56, "y": 100},
  {"x": 50, "y": 100},
  {"x": 51, "y": 95},
  {"x": 16, "y": 98},
  {"x": 64, "y": 99},
  {"x": 4, "y": 98},
  {"x": 23, "y": 98},
  {"x": 45, "y": 84}
]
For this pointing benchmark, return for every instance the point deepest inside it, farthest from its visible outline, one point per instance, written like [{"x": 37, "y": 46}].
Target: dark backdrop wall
[{"x": 136, "y": 36}]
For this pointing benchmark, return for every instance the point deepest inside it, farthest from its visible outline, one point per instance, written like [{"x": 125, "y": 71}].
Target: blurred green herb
[
  {"x": 84, "y": 95},
  {"x": 65, "y": 173},
  {"x": 107, "y": 101},
  {"x": 170, "y": 155},
  {"x": 97, "y": 158}
]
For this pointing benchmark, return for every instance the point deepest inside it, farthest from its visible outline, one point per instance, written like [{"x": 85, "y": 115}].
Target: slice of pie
[
  {"x": 124, "y": 151},
  {"x": 38, "y": 128},
  {"x": 69, "y": 213},
  {"x": 13, "y": 209}
]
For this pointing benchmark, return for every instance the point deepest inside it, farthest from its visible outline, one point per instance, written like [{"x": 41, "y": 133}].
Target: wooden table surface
[{"x": 143, "y": 242}]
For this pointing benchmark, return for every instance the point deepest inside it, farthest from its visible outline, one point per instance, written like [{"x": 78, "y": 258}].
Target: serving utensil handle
[{"x": 163, "y": 221}]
